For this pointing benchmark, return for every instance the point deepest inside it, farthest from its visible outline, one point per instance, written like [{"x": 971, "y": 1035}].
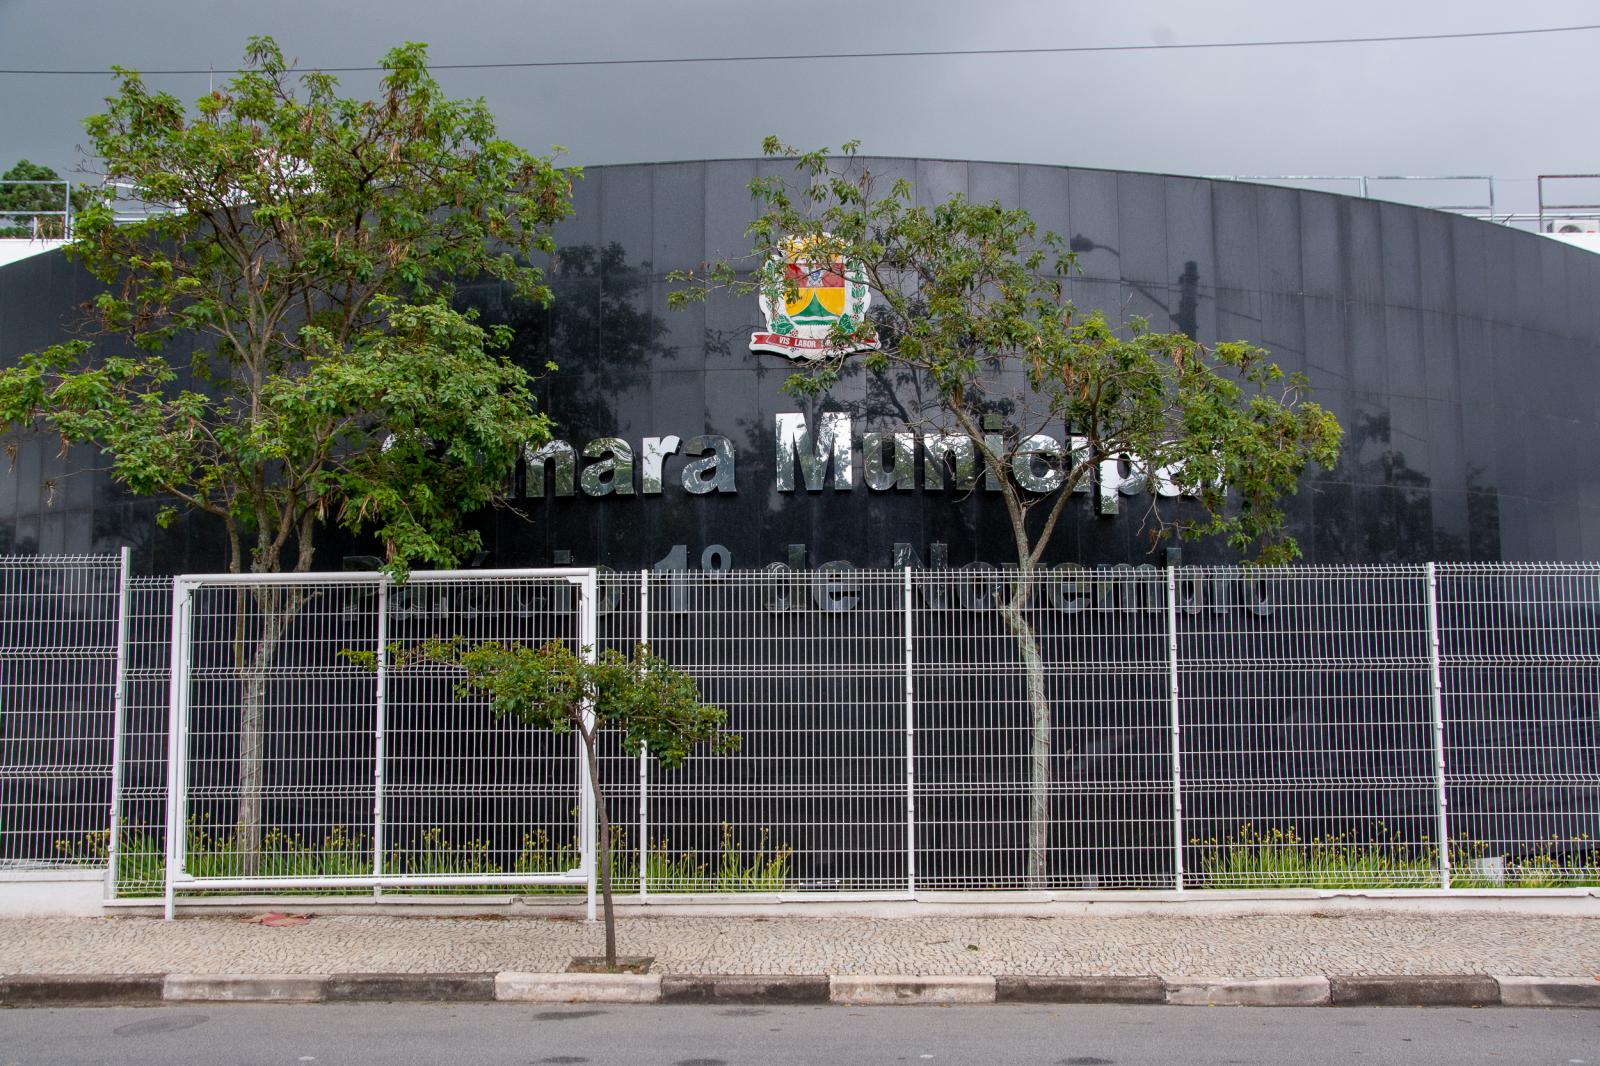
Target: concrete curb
[
  {"x": 244, "y": 988},
  {"x": 1400, "y": 990},
  {"x": 745, "y": 988},
  {"x": 578, "y": 987},
  {"x": 1415, "y": 990},
  {"x": 884, "y": 989},
  {"x": 1050, "y": 989},
  {"x": 410, "y": 987},
  {"x": 80, "y": 990},
  {"x": 1249, "y": 992},
  {"x": 1549, "y": 991}
]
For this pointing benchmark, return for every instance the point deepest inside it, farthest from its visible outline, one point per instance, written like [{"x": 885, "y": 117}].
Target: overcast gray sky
[{"x": 1511, "y": 107}]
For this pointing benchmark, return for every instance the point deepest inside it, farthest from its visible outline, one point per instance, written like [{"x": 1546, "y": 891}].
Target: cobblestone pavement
[{"x": 1165, "y": 945}]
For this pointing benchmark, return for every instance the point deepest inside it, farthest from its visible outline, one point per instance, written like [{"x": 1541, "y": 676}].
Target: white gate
[{"x": 308, "y": 750}]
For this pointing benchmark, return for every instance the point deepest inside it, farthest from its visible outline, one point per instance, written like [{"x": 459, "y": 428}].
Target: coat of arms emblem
[{"x": 811, "y": 301}]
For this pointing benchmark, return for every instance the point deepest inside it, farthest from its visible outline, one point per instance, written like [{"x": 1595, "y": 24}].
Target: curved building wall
[{"x": 1463, "y": 359}]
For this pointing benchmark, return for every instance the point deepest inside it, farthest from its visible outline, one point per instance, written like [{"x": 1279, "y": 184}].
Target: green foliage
[
  {"x": 359, "y": 658},
  {"x": 641, "y": 697},
  {"x": 141, "y": 862},
  {"x": 733, "y": 870},
  {"x": 1282, "y": 858},
  {"x": 968, "y": 301},
  {"x": 301, "y": 253},
  {"x": 1248, "y": 859},
  {"x": 1570, "y": 863}
]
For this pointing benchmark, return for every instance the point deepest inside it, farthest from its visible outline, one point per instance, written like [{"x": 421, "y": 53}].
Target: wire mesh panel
[
  {"x": 1306, "y": 724},
  {"x": 58, "y": 653},
  {"x": 280, "y": 740},
  {"x": 1520, "y": 660},
  {"x": 147, "y": 685},
  {"x": 810, "y": 667},
  {"x": 464, "y": 791},
  {"x": 623, "y": 776},
  {"x": 1042, "y": 735},
  {"x": 319, "y": 744}
]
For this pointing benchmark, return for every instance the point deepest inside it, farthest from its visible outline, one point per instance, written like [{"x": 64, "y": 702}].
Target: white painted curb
[
  {"x": 1254, "y": 992},
  {"x": 244, "y": 987},
  {"x": 883, "y": 989},
  {"x": 577, "y": 987},
  {"x": 1549, "y": 991}
]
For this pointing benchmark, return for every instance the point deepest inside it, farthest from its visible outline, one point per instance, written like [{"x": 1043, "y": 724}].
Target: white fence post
[
  {"x": 644, "y": 749},
  {"x": 1436, "y": 698},
  {"x": 911, "y": 755},
  {"x": 380, "y": 734},
  {"x": 586, "y": 807},
  {"x": 177, "y": 728},
  {"x": 1177, "y": 745},
  {"x": 119, "y": 703}
]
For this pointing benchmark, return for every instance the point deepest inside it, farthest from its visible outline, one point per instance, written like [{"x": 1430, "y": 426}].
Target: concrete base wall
[
  {"x": 1583, "y": 902},
  {"x": 14, "y": 248},
  {"x": 52, "y": 893}
]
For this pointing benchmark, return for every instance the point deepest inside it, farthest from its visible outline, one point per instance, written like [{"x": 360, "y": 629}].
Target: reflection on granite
[{"x": 1464, "y": 381}]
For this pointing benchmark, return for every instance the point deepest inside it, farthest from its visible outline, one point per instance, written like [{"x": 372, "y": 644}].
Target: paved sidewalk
[{"x": 1162, "y": 945}]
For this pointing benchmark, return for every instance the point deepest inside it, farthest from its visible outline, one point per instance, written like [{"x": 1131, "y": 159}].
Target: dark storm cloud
[{"x": 1513, "y": 107}]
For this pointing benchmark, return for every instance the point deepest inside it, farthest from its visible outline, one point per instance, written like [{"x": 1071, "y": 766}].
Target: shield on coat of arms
[{"x": 808, "y": 302}]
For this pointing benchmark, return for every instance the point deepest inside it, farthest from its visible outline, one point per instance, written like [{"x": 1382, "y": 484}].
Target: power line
[{"x": 920, "y": 54}]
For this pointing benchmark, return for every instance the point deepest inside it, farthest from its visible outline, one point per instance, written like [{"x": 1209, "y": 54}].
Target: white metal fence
[
  {"x": 139, "y": 810},
  {"x": 1519, "y": 665},
  {"x": 1205, "y": 727},
  {"x": 59, "y": 641}
]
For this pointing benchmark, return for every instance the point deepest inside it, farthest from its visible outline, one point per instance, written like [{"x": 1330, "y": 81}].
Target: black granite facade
[{"x": 1463, "y": 359}]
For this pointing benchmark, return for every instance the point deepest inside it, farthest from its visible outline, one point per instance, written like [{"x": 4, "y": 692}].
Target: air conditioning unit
[{"x": 1572, "y": 225}]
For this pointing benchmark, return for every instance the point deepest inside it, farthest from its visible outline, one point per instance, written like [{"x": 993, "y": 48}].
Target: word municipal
[{"x": 824, "y": 457}]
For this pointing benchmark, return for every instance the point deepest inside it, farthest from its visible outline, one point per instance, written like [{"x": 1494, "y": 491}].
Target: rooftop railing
[
  {"x": 1473, "y": 195},
  {"x": 52, "y": 223},
  {"x": 1566, "y": 203}
]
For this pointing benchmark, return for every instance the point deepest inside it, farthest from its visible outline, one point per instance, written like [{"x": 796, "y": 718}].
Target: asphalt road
[{"x": 510, "y": 1035}]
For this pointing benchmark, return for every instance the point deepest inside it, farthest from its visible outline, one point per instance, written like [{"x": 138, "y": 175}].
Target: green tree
[
  {"x": 969, "y": 303},
  {"x": 278, "y": 347},
  {"x": 639, "y": 698}
]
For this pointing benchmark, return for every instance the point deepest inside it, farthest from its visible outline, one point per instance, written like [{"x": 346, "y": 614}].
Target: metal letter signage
[
  {"x": 796, "y": 446},
  {"x": 709, "y": 473},
  {"x": 814, "y": 308},
  {"x": 614, "y": 471},
  {"x": 818, "y": 454},
  {"x": 558, "y": 452}
]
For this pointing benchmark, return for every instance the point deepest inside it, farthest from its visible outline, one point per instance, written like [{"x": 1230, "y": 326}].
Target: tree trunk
[
  {"x": 603, "y": 831},
  {"x": 252, "y": 723},
  {"x": 276, "y": 613},
  {"x": 1013, "y": 610}
]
